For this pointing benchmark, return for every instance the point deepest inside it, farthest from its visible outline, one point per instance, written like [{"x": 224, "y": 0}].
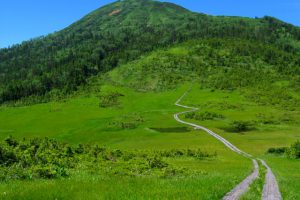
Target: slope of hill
[
  {"x": 115, "y": 34},
  {"x": 261, "y": 72}
]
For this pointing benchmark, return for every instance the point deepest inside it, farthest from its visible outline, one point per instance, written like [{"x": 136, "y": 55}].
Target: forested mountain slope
[
  {"x": 262, "y": 73},
  {"x": 116, "y": 34}
]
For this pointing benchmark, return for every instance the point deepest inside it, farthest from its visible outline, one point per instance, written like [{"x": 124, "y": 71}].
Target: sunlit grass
[{"x": 80, "y": 120}]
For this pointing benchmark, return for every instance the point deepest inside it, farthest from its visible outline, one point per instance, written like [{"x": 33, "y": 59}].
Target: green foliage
[
  {"x": 278, "y": 151},
  {"x": 198, "y": 154},
  {"x": 126, "y": 122},
  {"x": 294, "y": 151},
  {"x": 123, "y": 31},
  {"x": 253, "y": 68},
  {"x": 48, "y": 159},
  {"x": 204, "y": 116},
  {"x": 34, "y": 159},
  {"x": 291, "y": 152},
  {"x": 156, "y": 162},
  {"x": 285, "y": 118},
  {"x": 109, "y": 100},
  {"x": 274, "y": 96},
  {"x": 241, "y": 126}
]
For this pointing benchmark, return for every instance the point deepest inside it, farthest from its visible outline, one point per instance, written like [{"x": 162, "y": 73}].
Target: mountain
[{"x": 116, "y": 34}]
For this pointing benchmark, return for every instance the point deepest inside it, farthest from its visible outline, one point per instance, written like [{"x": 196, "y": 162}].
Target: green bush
[
  {"x": 204, "y": 116},
  {"x": 278, "y": 151},
  {"x": 156, "y": 162},
  {"x": 241, "y": 126},
  {"x": 195, "y": 153},
  {"x": 48, "y": 159},
  {"x": 109, "y": 100},
  {"x": 294, "y": 151},
  {"x": 126, "y": 122}
]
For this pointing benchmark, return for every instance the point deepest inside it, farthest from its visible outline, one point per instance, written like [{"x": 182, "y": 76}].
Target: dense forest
[{"x": 122, "y": 32}]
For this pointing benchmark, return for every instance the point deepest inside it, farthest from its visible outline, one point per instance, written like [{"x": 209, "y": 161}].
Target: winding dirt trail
[
  {"x": 271, "y": 189},
  {"x": 241, "y": 188}
]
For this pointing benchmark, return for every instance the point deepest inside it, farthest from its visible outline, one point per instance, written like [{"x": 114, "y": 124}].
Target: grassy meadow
[
  {"x": 80, "y": 120},
  {"x": 131, "y": 109},
  {"x": 279, "y": 128}
]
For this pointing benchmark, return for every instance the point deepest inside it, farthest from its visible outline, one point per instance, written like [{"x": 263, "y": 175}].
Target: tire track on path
[{"x": 271, "y": 188}]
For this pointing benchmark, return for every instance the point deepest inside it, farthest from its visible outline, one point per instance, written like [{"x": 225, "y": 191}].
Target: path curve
[
  {"x": 271, "y": 189},
  {"x": 218, "y": 137}
]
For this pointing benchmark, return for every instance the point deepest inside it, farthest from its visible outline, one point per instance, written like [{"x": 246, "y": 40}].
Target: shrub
[
  {"x": 47, "y": 172},
  {"x": 128, "y": 125},
  {"x": 127, "y": 122},
  {"x": 49, "y": 159},
  {"x": 7, "y": 156},
  {"x": 109, "y": 100},
  {"x": 294, "y": 151},
  {"x": 198, "y": 153},
  {"x": 280, "y": 150},
  {"x": 204, "y": 116},
  {"x": 201, "y": 155},
  {"x": 11, "y": 141},
  {"x": 291, "y": 152},
  {"x": 79, "y": 149},
  {"x": 241, "y": 126},
  {"x": 156, "y": 162}
]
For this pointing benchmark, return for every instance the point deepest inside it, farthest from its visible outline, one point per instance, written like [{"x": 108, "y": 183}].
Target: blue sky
[{"x": 24, "y": 19}]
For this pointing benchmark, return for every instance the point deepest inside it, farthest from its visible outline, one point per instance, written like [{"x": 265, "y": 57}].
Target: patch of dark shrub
[
  {"x": 292, "y": 152},
  {"x": 204, "y": 116},
  {"x": 171, "y": 129},
  {"x": 278, "y": 151},
  {"x": 109, "y": 100},
  {"x": 240, "y": 126}
]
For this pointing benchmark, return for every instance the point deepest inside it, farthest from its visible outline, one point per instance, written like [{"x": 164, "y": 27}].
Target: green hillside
[
  {"x": 260, "y": 72},
  {"x": 115, "y": 34}
]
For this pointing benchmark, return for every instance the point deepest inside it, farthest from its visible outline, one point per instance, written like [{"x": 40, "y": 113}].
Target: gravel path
[
  {"x": 271, "y": 189},
  {"x": 241, "y": 188}
]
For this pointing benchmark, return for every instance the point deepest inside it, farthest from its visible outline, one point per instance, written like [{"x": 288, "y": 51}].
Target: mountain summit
[{"x": 115, "y": 34}]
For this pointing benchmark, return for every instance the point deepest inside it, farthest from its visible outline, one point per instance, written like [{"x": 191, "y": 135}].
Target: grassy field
[
  {"x": 80, "y": 120},
  {"x": 93, "y": 187},
  {"x": 233, "y": 106}
]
